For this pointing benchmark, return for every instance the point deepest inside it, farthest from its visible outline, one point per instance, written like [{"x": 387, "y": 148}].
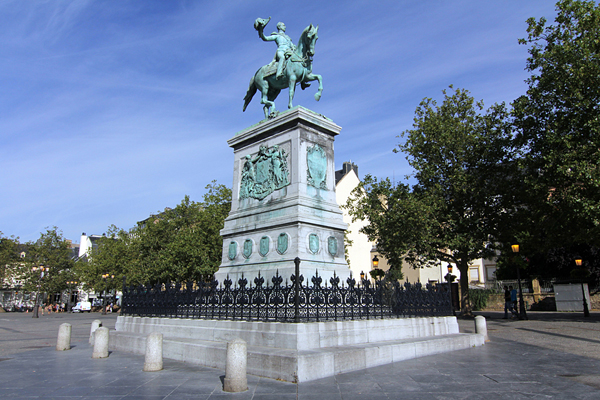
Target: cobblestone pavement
[
  {"x": 553, "y": 355},
  {"x": 567, "y": 332},
  {"x": 20, "y": 332}
]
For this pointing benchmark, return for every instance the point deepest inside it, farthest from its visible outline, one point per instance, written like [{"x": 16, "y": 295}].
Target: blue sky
[{"x": 113, "y": 110}]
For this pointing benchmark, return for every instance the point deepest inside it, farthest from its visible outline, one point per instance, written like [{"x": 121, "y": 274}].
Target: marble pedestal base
[{"x": 296, "y": 352}]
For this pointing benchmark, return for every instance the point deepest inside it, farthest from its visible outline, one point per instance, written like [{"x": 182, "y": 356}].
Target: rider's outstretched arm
[{"x": 266, "y": 38}]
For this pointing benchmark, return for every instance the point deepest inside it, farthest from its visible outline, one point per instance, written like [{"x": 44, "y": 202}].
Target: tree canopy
[
  {"x": 462, "y": 158},
  {"x": 9, "y": 258},
  {"x": 183, "y": 243},
  {"x": 53, "y": 252},
  {"x": 558, "y": 126}
]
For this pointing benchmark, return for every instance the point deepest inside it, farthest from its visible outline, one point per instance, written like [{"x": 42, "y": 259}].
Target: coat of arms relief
[
  {"x": 316, "y": 160},
  {"x": 265, "y": 173}
]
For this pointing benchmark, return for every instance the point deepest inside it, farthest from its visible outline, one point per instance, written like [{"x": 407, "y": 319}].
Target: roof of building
[{"x": 346, "y": 168}]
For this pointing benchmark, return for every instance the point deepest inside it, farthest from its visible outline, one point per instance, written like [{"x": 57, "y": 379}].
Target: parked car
[{"x": 82, "y": 306}]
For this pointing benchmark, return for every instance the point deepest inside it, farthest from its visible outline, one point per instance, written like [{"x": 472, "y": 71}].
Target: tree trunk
[{"x": 465, "y": 300}]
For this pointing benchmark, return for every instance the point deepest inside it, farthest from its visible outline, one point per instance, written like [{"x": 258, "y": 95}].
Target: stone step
[
  {"x": 299, "y": 365},
  {"x": 294, "y": 336}
]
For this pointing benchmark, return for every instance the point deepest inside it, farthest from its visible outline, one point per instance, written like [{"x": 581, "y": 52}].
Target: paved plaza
[{"x": 553, "y": 355}]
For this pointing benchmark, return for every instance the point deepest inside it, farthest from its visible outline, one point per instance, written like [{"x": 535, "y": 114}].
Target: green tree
[
  {"x": 558, "y": 123},
  {"x": 53, "y": 252},
  {"x": 9, "y": 258},
  {"x": 462, "y": 160},
  {"x": 389, "y": 210},
  {"x": 111, "y": 256},
  {"x": 183, "y": 243}
]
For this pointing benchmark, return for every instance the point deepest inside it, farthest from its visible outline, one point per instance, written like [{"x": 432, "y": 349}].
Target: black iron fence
[{"x": 296, "y": 301}]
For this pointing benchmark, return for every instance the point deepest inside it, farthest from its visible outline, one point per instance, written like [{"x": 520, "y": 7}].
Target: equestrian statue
[{"x": 291, "y": 65}]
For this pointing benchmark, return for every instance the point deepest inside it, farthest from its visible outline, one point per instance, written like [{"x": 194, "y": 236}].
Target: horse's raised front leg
[
  {"x": 315, "y": 77},
  {"x": 292, "y": 88}
]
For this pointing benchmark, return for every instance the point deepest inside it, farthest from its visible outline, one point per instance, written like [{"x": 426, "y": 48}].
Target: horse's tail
[{"x": 249, "y": 94}]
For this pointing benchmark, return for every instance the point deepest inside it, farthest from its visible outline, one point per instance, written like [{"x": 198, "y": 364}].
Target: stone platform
[{"x": 296, "y": 352}]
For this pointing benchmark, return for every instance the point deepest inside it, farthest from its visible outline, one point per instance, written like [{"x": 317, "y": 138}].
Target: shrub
[{"x": 479, "y": 298}]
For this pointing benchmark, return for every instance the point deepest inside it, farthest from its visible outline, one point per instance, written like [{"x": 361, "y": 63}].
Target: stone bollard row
[
  {"x": 100, "y": 343},
  {"x": 64, "y": 337},
  {"x": 481, "y": 327},
  {"x": 95, "y": 325},
  {"x": 235, "y": 369},
  {"x": 154, "y": 353}
]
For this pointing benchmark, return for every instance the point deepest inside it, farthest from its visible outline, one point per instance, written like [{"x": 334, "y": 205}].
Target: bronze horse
[{"x": 297, "y": 70}]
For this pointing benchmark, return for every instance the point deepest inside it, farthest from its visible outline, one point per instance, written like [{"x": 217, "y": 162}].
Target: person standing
[
  {"x": 507, "y": 302},
  {"x": 513, "y": 301}
]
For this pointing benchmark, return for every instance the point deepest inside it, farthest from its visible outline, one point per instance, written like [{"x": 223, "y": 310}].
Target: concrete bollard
[
  {"x": 100, "y": 343},
  {"x": 64, "y": 337},
  {"x": 154, "y": 353},
  {"x": 95, "y": 325},
  {"x": 481, "y": 327},
  {"x": 235, "y": 370}
]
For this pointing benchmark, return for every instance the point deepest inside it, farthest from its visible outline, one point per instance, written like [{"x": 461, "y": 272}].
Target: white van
[{"x": 82, "y": 306}]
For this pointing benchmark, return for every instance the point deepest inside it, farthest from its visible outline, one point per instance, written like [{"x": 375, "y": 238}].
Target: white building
[
  {"x": 359, "y": 254},
  {"x": 87, "y": 243}
]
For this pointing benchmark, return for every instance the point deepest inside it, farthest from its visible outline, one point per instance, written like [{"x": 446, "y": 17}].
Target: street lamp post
[
  {"x": 449, "y": 277},
  {"x": 69, "y": 284},
  {"x": 375, "y": 271},
  {"x": 586, "y": 310},
  {"x": 37, "y": 293},
  {"x": 522, "y": 313},
  {"x": 105, "y": 278}
]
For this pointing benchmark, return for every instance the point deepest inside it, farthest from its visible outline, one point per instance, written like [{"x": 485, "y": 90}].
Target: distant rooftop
[{"x": 346, "y": 167}]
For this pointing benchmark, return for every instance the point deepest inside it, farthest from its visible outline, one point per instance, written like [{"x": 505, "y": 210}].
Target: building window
[{"x": 474, "y": 274}]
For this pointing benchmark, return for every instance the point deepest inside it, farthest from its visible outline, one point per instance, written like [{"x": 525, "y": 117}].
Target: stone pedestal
[
  {"x": 481, "y": 326},
  {"x": 95, "y": 325},
  {"x": 284, "y": 203},
  {"x": 63, "y": 341},
  {"x": 154, "y": 352},
  {"x": 101, "y": 337},
  {"x": 235, "y": 369},
  {"x": 295, "y": 352}
]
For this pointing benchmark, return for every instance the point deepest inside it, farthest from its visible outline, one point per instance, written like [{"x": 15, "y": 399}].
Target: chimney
[{"x": 348, "y": 166}]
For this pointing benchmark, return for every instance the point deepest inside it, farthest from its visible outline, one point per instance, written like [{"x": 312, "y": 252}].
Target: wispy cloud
[{"x": 110, "y": 111}]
